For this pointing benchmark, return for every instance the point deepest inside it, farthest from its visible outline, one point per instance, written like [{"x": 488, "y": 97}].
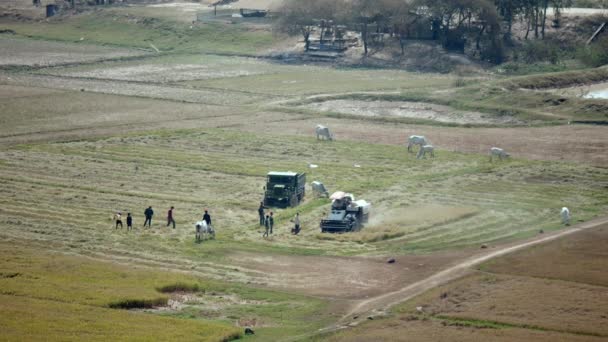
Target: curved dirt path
[{"x": 360, "y": 311}]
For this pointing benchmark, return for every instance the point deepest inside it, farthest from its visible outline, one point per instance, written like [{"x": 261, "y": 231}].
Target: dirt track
[
  {"x": 350, "y": 278},
  {"x": 373, "y": 306}
]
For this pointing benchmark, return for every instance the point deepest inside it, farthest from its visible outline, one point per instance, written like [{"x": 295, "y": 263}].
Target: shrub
[
  {"x": 138, "y": 303},
  {"x": 538, "y": 51},
  {"x": 595, "y": 54},
  {"x": 515, "y": 68},
  {"x": 459, "y": 82},
  {"x": 591, "y": 3},
  {"x": 180, "y": 287}
]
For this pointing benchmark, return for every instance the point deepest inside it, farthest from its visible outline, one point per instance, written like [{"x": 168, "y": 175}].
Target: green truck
[{"x": 284, "y": 189}]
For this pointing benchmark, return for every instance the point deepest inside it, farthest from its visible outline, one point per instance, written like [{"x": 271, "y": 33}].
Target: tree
[
  {"x": 301, "y": 17},
  {"x": 362, "y": 14},
  {"x": 558, "y": 7},
  {"x": 403, "y": 20},
  {"x": 509, "y": 11}
]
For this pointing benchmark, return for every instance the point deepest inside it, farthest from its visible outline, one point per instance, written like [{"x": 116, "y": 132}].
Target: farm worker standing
[
  {"x": 129, "y": 222},
  {"x": 261, "y": 213},
  {"x": 207, "y": 218},
  {"x": 148, "y": 213},
  {"x": 267, "y": 225},
  {"x": 271, "y": 222},
  {"x": 296, "y": 222},
  {"x": 170, "y": 219},
  {"x": 118, "y": 218}
]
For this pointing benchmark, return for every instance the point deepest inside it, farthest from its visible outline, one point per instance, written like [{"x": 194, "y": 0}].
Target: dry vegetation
[
  {"x": 579, "y": 258},
  {"x": 79, "y": 142},
  {"x": 554, "y": 291},
  {"x": 25, "y": 52}
]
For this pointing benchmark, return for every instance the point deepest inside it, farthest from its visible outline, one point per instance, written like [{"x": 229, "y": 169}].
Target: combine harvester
[{"x": 347, "y": 215}]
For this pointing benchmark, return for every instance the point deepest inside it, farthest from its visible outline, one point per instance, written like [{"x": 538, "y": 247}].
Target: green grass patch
[
  {"x": 35, "y": 282},
  {"x": 110, "y": 28},
  {"x": 308, "y": 80},
  {"x": 26, "y": 318},
  {"x": 559, "y": 79}
]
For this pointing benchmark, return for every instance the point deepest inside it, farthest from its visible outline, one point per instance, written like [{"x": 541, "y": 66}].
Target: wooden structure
[{"x": 599, "y": 31}]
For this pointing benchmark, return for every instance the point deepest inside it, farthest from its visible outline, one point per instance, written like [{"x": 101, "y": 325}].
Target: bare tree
[
  {"x": 302, "y": 17},
  {"x": 367, "y": 13}
]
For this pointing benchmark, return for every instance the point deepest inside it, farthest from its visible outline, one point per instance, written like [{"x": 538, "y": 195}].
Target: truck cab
[{"x": 284, "y": 189}]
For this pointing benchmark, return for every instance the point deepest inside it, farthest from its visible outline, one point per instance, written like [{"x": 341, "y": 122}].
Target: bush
[
  {"x": 538, "y": 51},
  {"x": 596, "y": 54},
  {"x": 590, "y": 3},
  {"x": 515, "y": 68},
  {"x": 494, "y": 52}
]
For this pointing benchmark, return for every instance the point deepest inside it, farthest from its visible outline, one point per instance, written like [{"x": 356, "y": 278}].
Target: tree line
[{"x": 483, "y": 26}]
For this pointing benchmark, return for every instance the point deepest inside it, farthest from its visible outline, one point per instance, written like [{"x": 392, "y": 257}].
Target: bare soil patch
[
  {"x": 162, "y": 73},
  {"x": 415, "y": 110},
  {"x": 207, "y": 305},
  {"x": 590, "y": 91},
  {"x": 341, "y": 277},
  {"x": 23, "y": 52},
  {"x": 154, "y": 91}
]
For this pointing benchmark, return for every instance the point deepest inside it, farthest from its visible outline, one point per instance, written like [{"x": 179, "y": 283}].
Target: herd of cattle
[
  {"x": 426, "y": 147},
  {"x": 323, "y": 133}
]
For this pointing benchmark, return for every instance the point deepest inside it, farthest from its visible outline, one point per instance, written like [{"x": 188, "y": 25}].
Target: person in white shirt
[{"x": 296, "y": 222}]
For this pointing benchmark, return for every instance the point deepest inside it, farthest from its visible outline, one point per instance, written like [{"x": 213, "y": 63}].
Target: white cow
[
  {"x": 416, "y": 140},
  {"x": 498, "y": 152},
  {"x": 565, "y": 214},
  {"x": 203, "y": 229},
  {"x": 323, "y": 132},
  {"x": 319, "y": 189},
  {"x": 424, "y": 150}
]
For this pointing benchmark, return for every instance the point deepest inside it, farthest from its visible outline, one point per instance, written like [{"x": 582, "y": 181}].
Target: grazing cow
[
  {"x": 319, "y": 189},
  {"x": 416, "y": 140},
  {"x": 424, "y": 150},
  {"x": 203, "y": 229},
  {"x": 565, "y": 214},
  {"x": 498, "y": 152},
  {"x": 324, "y": 133}
]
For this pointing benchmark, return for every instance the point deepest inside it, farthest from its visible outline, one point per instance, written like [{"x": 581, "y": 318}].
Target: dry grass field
[
  {"x": 86, "y": 131},
  {"x": 580, "y": 259},
  {"x": 553, "y": 291},
  {"x": 24, "y": 52}
]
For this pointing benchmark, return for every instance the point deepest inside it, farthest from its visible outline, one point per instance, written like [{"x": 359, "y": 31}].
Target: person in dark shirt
[
  {"x": 129, "y": 222},
  {"x": 207, "y": 218},
  {"x": 261, "y": 213},
  {"x": 148, "y": 213},
  {"x": 170, "y": 219}
]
